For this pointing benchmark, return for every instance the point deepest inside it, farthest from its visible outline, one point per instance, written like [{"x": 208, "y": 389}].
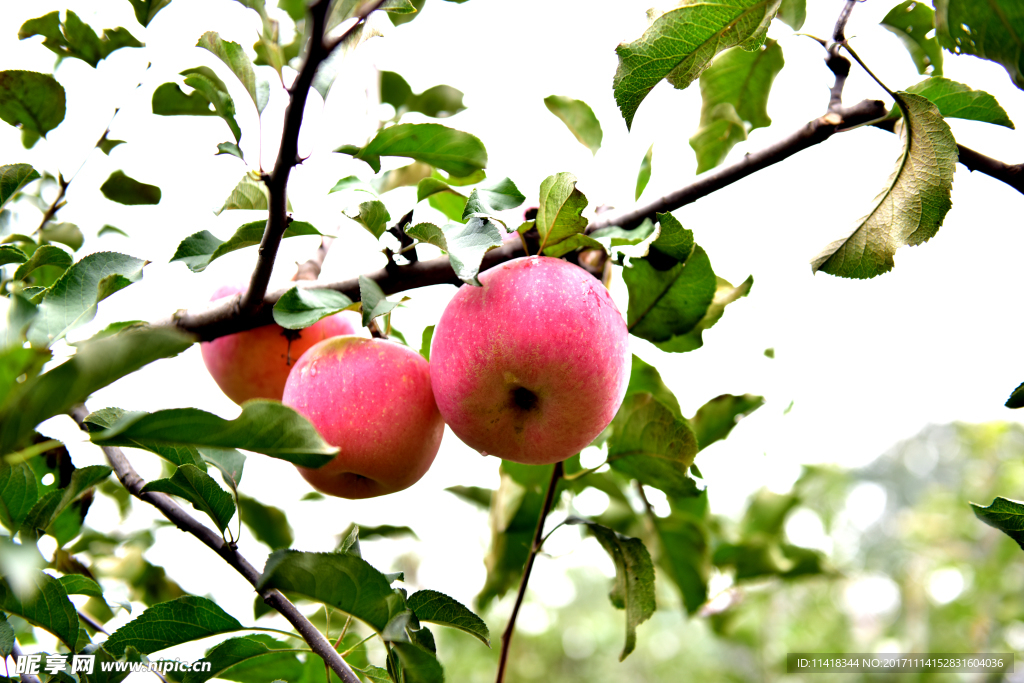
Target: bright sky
[{"x": 863, "y": 363}]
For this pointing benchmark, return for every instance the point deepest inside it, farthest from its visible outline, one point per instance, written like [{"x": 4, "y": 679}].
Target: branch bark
[{"x": 131, "y": 480}]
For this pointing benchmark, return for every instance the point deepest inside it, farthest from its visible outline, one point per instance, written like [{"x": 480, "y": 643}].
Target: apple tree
[{"x": 437, "y": 211}]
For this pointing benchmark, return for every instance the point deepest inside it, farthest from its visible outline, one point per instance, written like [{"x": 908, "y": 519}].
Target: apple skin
[
  {"x": 256, "y": 363},
  {"x": 532, "y": 366},
  {"x": 372, "y": 399}
]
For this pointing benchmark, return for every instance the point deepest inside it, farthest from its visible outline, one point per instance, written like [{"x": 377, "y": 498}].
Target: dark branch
[
  {"x": 1011, "y": 174},
  {"x": 131, "y": 480},
  {"x": 56, "y": 205},
  {"x": 538, "y": 541},
  {"x": 288, "y": 154}
]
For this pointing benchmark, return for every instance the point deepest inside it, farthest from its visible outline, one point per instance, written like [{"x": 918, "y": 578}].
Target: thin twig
[
  {"x": 17, "y": 653},
  {"x": 131, "y": 480},
  {"x": 57, "y": 204},
  {"x": 310, "y": 270},
  {"x": 538, "y": 542}
]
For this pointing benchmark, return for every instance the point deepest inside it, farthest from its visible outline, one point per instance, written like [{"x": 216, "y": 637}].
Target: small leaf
[
  {"x": 74, "y": 38},
  {"x": 48, "y": 607},
  {"x": 107, "y": 145},
  {"x": 619, "y": 237},
  {"x": 956, "y": 100},
  {"x": 989, "y": 29},
  {"x": 429, "y": 233},
  {"x": 438, "y": 608},
  {"x": 229, "y": 148},
  {"x": 171, "y": 623},
  {"x": 440, "y": 101},
  {"x": 7, "y": 638},
  {"x": 467, "y": 243},
  {"x": 579, "y": 118},
  {"x": 450, "y": 150},
  {"x": 352, "y": 183},
  {"x": 250, "y": 194},
  {"x": 249, "y": 658},
  {"x": 46, "y": 255},
  {"x": 235, "y": 58},
  {"x": 340, "y": 580},
  {"x": 11, "y": 254},
  {"x": 500, "y": 196},
  {"x": 268, "y": 524},
  {"x": 913, "y": 204},
  {"x": 375, "y": 303},
  {"x": 72, "y": 300},
  {"x": 912, "y": 21},
  {"x": 229, "y": 461},
  {"x": 651, "y": 445},
  {"x": 13, "y": 177},
  {"x": 644, "y": 378},
  {"x": 717, "y": 417},
  {"x": 574, "y": 243},
  {"x": 19, "y": 491},
  {"x": 176, "y": 455},
  {"x": 686, "y": 552},
  {"x": 31, "y": 101},
  {"x": 45, "y": 512},
  {"x": 643, "y": 176},
  {"x": 123, "y": 189},
  {"x": 95, "y": 365},
  {"x": 145, "y": 10},
  {"x": 373, "y": 216},
  {"x": 405, "y": 176},
  {"x": 208, "y": 90},
  {"x": 1016, "y": 399},
  {"x": 428, "y": 336},
  {"x": 725, "y": 294},
  {"x": 558, "y": 216},
  {"x": 633, "y": 589},
  {"x": 266, "y": 427},
  {"x": 111, "y": 230},
  {"x": 665, "y": 303},
  {"x": 680, "y": 44},
  {"x": 673, "y": 239},
  {"x": 198, "y": 488},
  {"x": 1004, "y": 514},
  {"x": 76, "y": 584},
  {"x": 793, "y": 13},
  {"x": 65, "y": 233},
  {"x": 418, "y": 664},
  {"x": 300, "y": 308},
  {"x": 197, "y": 251}
]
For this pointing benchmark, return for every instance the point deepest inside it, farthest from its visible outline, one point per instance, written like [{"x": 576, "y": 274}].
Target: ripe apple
[
  {"x": 532, "y": 366},
  {"x": 255, "y": 363},
  {"x": 372, "y": 399}
]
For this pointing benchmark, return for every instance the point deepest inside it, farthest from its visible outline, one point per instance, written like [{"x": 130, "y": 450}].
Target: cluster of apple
[{"x": 530, "y": 367}]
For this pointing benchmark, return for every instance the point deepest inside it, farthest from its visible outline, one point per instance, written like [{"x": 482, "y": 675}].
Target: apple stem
[{"x": 538, "y": 542}]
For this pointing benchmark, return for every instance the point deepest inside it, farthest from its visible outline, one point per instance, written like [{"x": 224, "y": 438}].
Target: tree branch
[
  {"x": 57, "y": 204},
  {"x": 131, "y": 480},
  {"x": 538, "y": 541},
  {"x": 288, "y": 154},
  {"x": 310, "y": 270},
  {"x": 17, "y": 652},
  {"x": 1011, "y": 174}
]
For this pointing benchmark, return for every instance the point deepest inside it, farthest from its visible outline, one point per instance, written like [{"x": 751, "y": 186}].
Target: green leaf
[
  {"x": 375, "y": 674},
  {"x": 681, "y": 43},
  {"x": 912, "y": 21},
  {"x": 450, "y": 203},
  {"x": 373, "y": 216},
  {"x": 734, "y": 100},
  {"x": 913, "y": 204},
  {"x": 171, "y": 623},
  {"x": 438, "y": 608},
  {"x": 229, "y": 461},
  {"x": 428, "y": 336},
  {"x": 170, "y": 100},
  {"x": 145, "y": 10},
  {"x": 619, "y": 237},
  {"x": 7, "y": 637},
  {"x": 74, "y": 38},
  {"x": 268, "y": 524},
  {"x": 1016, "y": 399},
  {"x": 11, "y": 254},
  {"x": 31, "y": 101},
  {"x": 644, "y": 378},
  {"x": 264, "y": 427},
  {"x": 229, "y": 148},
  {"x": 48, "y": 607},
  {"x": 673, "y": 239},
  {"x": 574, "y": 243},
  {"x": 19, "y": 314},
  {"x": 633, "y": 589},
  {"x": 375, "y": 303},
  {"x": 340, "y": 580},
  {"x": 111, "y": 230},
  {"x": 467, "y": 243},
  {"x": 716, "y": 418},
  {"x": 13, "y": 177},
  {"x": 440, "y": 101},
  {"x": 198, "y": 488},
  {"x": 19, "y": 491},
  {"x": 174, "y": 454},
  {"x": 385, "y": 531},
  {"x": 725, "y": 294},
  {"x": 300, "y": 308},
  {"x": 352, "y": 183},
  {"x": 418, "y": 664},
  {"x": 45, "y": 512},
  {"x": 665, "y": 303},
  {"x": 643, "y": 176},
  {"x": 198, "y": 250},
  {"x": 249, "y": 659},
  {"x": 429, "y": 233},
  {"x": 65, "y": 233},
  {"x": 249, "y": 194},
  {"x": 474, "y": 495},
  {"x": 451, "y": 150},
  {"x": 956, "y": 100},
  {"x": 651, "y": 445},
  {"x": 208, "y": 90},
  {"x": 107, "y": 145},
  {"x": 46, "y": 255},
  {"x": 579, "y": 118},
  {"x": 1004, "y": 514},
  {"x": 235, "y": 58},
  {"x": 76, "y": 584},
  {"x": 405, "y": 176},
  {"x": 990, "y": 29},
  {"x": 501, "y": 196},
  {"x": 685, "y": 552},
  {"x": 558, "y": 216},
  {"x": 123, "y": 189},
  {"x": 793, "y": 13},
  {"x": 73, "y": 299}
]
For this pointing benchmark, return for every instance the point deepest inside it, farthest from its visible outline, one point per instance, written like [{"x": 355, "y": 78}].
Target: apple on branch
[{"x": 534, "y": 364}]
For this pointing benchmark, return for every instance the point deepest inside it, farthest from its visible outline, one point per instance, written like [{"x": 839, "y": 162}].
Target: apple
[
  {"x": 372, "y": 399},
  {"x": 256, "y": 363},
  {"x": 532, "y": 366}
]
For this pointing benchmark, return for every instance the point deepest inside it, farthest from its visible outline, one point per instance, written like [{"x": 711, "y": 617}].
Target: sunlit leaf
[
  {"x": 1004, "y": 514},
  {"x": 171, "y": 623},
  {"x": 299, "y": 308},
  {"x": 31, "y": 101},
  {"x": 579, "y": 118},
  {"x": 558, "y": 216},
  {"x": 74, "y": 38},
  {"x": 48, "y": 607},
  {"x": 725, "y": 294},
  {"x": 643, "y": 176},
  {"x": 268, "y": 524},
  {"x": 13, "y": 177},
  {"x": 197, "y": 251},
  {"x": 200, "y": 489},
  {"x": 793, "y": 13},
  {"x": 956, "y": 100},
  {"x": 666, "y": 303},
  {"x": 249, "y": 658},
  {"x": 438, "y": 608},
  {"x": 145, "y": 10},
  {"x": 235, "y": 58},
  {"x": 375, "y": 303},
  {"x": 717, "y": 417},
  {"x": 451, "y": 150},
  {"x": 46, "y": 255},
  {"x": 373, "y": 216},
  {"x": 913, "y": 22},
  {"x": 990, "y": 29}
]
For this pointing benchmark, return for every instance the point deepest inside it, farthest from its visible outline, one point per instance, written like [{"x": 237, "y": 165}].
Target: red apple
[
  {"x": 372, "y": 399},
  {"x": 256, "y": 363},
  {"x": 532, "y": 366}
]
